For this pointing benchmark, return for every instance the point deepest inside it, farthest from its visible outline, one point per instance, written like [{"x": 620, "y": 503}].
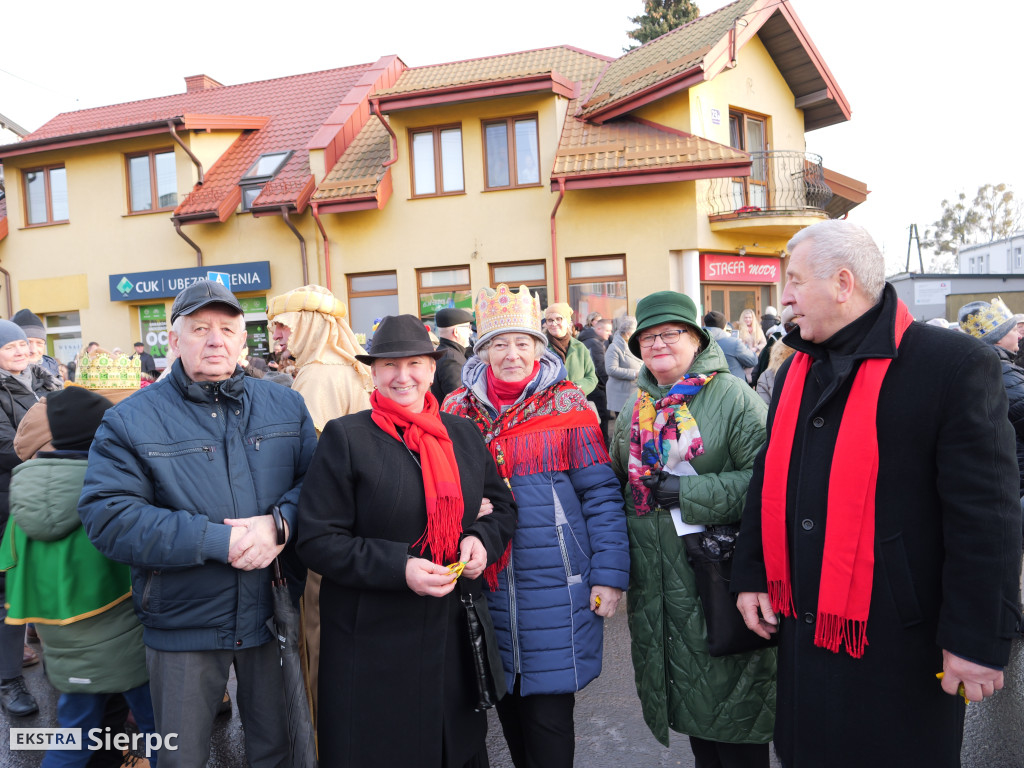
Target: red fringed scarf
[
  {"x": 552, "y": 431},
  {"x": 844, "y": 595},
  {"x": 425, "y": 434}
]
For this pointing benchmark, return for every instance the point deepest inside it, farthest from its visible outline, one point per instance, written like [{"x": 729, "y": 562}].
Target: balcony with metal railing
[{"x": 785, "y": 192}]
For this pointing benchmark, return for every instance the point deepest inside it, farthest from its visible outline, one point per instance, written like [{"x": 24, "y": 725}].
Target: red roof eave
[
  {"x": 223, "y": 212},
  {"x": 549, "y": 81},
  {"x": 657, "y": 91},
  {"x": 3, "y": 228},
  {"x": 364, "y": 203},
  {"x": 88, "y": 137},
  {"x": 651, "y": 176}
]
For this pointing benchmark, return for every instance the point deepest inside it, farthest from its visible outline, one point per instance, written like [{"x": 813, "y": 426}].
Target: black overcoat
[
  {"x": 395, "y": 674},
  {"x": 448, "y": 376},
  {"x": 947, "y": 549}
]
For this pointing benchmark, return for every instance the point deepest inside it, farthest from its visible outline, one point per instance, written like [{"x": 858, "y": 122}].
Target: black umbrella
[{"x": 285, "y": 626}]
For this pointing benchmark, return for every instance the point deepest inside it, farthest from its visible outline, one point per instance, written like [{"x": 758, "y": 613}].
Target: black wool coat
[
  {"x": 448, "y": 376},
  {"x": 946, "y": 554},
  {"x": 395, "y": 671},
  {"x": 1013, "y": 380}
]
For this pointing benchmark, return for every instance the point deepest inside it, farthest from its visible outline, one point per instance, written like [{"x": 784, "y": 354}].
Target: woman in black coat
[{"x": 376, "y": 520}]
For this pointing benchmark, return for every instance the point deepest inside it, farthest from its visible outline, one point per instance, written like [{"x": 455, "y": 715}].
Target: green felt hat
[{"x": 664, "y": 307}]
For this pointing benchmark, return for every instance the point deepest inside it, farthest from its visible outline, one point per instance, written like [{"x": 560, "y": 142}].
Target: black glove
[{"x": 664, "y": 486}]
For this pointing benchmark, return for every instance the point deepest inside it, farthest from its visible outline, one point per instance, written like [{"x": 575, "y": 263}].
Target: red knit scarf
[
  {"x": 425, "y": 434},
  {"x": 504, "y": 393},
  {"x": 847, "y": 568},
  {"x": 553, "y": 430}
]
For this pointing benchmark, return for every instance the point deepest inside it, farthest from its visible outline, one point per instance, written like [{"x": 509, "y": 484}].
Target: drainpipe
[
  {"x": 554, "y": 240},
  {"x": 375, "y": 106},
  {"x": 302, "y": 243},
  {"x": 183, "y": 236},
  {"x": 186, "y": 150},
  {"x": 7, "y": 292},
  {"x": 327, "y": 243}
]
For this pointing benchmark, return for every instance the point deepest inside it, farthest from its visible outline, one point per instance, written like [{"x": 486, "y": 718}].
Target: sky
[{"x": 933, "y": 86}]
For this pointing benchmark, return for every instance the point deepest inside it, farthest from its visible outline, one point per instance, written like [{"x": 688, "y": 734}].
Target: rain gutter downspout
[
  {"x": 327, "y": 243},
  {"x": 186, "y": 150},
  {"x": 183, "y": 236},
  {"x": 7, "y": 292},
  {"x": 375, "y": 106},
  {"x": 554, "y": 239},
  {"x": 302, "y": 243}
]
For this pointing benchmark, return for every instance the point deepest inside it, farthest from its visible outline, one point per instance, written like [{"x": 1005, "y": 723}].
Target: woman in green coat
[{"x": 684, "y": 446}]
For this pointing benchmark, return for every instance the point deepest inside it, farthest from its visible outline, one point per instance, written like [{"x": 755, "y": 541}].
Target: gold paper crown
[
  {"x": 502, "y": 311},
  {"x": 105, "y": 370},
  {"x": 986, "y": 319},
  {"x": 308, "y": 298}
]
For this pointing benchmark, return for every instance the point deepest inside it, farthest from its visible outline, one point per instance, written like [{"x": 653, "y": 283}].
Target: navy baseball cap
[{"x": 201, "y": 294}]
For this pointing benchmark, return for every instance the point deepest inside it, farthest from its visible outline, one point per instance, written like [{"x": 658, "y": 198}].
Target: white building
[{"x": 1000, "y": 257}]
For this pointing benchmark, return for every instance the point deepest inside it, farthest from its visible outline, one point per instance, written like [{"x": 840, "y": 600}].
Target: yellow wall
[{"x": 65, "y": 267}]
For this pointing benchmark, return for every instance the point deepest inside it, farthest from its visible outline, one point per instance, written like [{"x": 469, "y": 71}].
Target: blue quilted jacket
[
  {"x": 168, "y": 465},
  {"x": 571, "y": 535}
]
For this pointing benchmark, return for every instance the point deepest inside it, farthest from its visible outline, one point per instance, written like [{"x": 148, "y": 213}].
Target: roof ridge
[
  {"x": 493, "y": 57},
  {"x": 218, "y": 89}
]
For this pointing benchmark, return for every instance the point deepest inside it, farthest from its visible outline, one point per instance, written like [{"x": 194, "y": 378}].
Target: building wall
[{"x": 65, "y": 267}]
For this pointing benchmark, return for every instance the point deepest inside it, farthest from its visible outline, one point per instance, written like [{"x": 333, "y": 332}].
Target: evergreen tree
[{"x": 661, "y": 16}]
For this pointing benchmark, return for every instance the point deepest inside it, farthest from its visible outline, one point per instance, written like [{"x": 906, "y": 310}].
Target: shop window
[
  {"x": 263, "y": 170},
  {"x": 597, "y": 284},
  {"x": 46, "y": 195},
  {"x": 152, "y": 177},
  {"x": 63, "y": 335},
  {"x": 511, "y": 158},
  {"x": 371, "y": 295},
  {"x": 436, "y": 161},
  {"x": 532, "y": 274},
  {"x": 441, "y": 288}
]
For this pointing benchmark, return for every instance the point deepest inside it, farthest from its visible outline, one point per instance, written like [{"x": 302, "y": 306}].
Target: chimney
[{"x": 196, "y": 83}]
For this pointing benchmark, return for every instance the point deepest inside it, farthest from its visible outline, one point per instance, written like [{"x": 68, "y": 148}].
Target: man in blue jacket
[{"x": 181, "y": 483}]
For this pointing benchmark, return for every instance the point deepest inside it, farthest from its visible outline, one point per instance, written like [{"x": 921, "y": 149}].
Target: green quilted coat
[{"x": 730, "y": 698}]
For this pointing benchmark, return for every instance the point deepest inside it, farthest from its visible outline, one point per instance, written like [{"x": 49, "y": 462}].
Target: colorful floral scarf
[
  {"x": 426, "y": 435},
  {"x": 663, "y": 434}
]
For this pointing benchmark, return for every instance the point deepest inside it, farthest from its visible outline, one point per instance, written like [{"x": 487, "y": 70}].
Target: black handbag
[
  {"x": 710, "y": 555},
  {"x": 488, "y": 673}
]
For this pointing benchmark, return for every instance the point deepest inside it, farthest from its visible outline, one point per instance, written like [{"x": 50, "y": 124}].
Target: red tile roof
[{"x": 294, "y": 108}]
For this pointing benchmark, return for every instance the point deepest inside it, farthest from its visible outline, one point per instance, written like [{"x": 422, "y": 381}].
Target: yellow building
[{"x": 680, "y": 164}]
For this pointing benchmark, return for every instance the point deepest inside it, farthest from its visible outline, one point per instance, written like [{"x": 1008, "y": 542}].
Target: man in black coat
[
  {"x": 453, "y": 329},
  {"x": 919, "y": 543},
  {"x": 146, "y": 359}
]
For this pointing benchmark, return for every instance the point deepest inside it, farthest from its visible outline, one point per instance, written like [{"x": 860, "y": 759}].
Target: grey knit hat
[
  {"x": 11, "y": 332},
  {"x": 30, "y": 323}
]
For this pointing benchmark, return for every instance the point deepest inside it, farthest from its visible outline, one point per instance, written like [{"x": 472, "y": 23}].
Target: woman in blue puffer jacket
[{"x": 569, "y": 559}]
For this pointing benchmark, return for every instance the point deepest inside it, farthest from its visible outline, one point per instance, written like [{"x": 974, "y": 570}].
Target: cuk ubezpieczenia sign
[{"x": 141, "y": 286}]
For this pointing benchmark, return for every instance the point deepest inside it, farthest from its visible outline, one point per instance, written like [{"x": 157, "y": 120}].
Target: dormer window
[{"x": 259, "y": 173}]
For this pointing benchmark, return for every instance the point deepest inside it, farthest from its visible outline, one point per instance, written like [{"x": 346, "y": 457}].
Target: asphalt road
[{"x": 610, "y": 732}]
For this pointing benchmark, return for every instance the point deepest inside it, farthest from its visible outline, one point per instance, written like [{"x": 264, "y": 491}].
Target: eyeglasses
[{"x": 669, "y": 337}]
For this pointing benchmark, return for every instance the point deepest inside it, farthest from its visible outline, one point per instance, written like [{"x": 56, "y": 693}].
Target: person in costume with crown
[
  {"x": 684, "y": 447},
  {"x": 389, "y": 503},
  {"x": 310, "y": 323},
  {"x": 569, "y": 559},
  {"x": 881, "y": 534},
  {"x": 1000, "y": 328}
]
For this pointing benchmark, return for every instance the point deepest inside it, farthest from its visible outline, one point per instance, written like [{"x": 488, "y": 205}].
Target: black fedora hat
[{"x": 400, "y": 336}]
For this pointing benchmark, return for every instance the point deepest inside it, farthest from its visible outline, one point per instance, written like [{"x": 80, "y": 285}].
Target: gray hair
[
  {"x": 842, "y": 244},
  {"x": 626, "y": 326},
  {"x": 483, "y": 351}
]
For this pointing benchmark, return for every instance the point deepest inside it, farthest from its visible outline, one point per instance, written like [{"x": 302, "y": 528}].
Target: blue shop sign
[{"x": 141, "y": 286}]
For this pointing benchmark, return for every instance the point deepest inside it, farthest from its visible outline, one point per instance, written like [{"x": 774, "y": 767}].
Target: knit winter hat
[
  {"x": 31, "y": 324},
  {"x": 561, "y": 308},
  {"x": 11, "y": 332},
  {"x": 988, "y": 322},
  {"x": 75, "y": 414}
]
